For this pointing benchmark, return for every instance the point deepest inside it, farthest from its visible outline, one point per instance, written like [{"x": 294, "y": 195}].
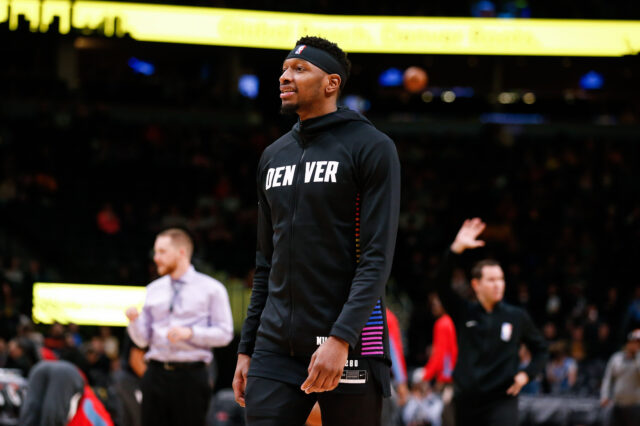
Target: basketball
[{"x": 415, "y": 79}]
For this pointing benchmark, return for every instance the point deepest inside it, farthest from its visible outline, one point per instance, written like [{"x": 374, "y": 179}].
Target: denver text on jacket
[{"x": 319, "y": 171}]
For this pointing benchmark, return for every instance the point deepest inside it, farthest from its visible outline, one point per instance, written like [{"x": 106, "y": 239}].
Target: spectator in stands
[
  {"x": 127, "y": 384},
  {"x": 107, "y": 220},
  {"x": 424, "y": 406},
  {"x": 59, "y": 394},
  {"x": 632, "y": 315},
  {"x": 55, "y": 388},
  {"x": 22, "y": 355},
  {"x": 444, "y": 354},
  {"x": 9, "y": 314},
  {"x": 4, "y": 352},
  {"x": 562, "y": 370},
  {"x": 99, "y": 367},
  {"x": 15, "y": 273},
  {"x": 109, "y": 343},
  {"x": 577, "y": 345},
  {"x": 55, "y": 340},
  {"x": 621, "y": 383}
]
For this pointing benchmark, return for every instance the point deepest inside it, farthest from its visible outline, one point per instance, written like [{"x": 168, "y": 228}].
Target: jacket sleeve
[
  {"x": 378, "y": 175},
  {"x": 452, "y": 302},
  {"x": 260, "y": 290},
  {"x": 536, "y": 344}
]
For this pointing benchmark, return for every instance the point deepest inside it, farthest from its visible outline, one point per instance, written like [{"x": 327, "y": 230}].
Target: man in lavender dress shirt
[{"x": 185, "y": 314}]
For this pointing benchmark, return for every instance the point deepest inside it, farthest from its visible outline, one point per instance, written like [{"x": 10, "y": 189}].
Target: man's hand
[
  {"x": 240, "y": 378},
  {"x": 403, "y": 394},
  {"x": 604, "y": 402},
  {"x": 177, "y": 334},
  {"x": 325, "y": 368},
  {"x": 132, "y": 313},
  {"x": 467, "y": 237},
  {"x": 519, "y": 381}
]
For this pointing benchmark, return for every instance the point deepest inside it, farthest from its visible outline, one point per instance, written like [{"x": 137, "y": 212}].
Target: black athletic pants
[
  {"x": 177, "y": 396},
  {"x": 478, "y": 411},
  {"x": 273, "y": 403}
]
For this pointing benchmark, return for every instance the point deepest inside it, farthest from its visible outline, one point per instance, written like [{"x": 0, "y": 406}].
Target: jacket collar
[{"x": 303, "y": 130}]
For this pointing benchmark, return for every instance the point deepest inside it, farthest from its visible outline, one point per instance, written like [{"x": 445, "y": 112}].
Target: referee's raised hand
[{"x": 467, "y": 237}]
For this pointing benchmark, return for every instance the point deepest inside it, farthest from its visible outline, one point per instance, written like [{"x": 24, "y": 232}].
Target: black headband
[{"x": 318, "y": 57}]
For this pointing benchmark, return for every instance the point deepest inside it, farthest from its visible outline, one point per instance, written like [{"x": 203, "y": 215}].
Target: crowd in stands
[
  {"x": 86, "y": 200},
  {"x": 83, "y": 193}
]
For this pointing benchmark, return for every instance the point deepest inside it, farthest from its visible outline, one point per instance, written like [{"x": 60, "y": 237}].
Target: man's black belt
[{"x": 171, "y": 365}]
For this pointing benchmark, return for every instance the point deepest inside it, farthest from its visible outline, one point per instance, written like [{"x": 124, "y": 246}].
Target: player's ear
[{"x": 333, "y": 87}]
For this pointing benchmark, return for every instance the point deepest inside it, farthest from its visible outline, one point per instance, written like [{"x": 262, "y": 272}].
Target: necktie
[{"x": 175, "y": 287}]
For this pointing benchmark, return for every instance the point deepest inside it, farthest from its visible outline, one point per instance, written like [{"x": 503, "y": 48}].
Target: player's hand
[
  {"x": 132, "y": 313},
  {"x": 325, "y": 368},
  {"x": 467, "y": 237},
  {"x": 240, "y": 378},
  {"x": 604, "y": 402},
  {"x": 177, "y": 334},
  {"x": 519, "y": 381}
]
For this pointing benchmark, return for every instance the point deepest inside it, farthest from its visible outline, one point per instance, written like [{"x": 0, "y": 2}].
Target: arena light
[
  {"x": 463, "y": 92},
  {"x": 356, "y": 103},
  {"x": 249, "y": 86},
  {"x": 512, "y": 118},
  {"x": 529, "y": 98},
  {"x": 366, "y": 34},
  {"x": 448, "y": 96},
  {"x": 85, "y": 304},
  {"x": 592, "y": 80},
  {"x": 507, "y": 98},
  {"x": 141, "y": 67},
  {"x": 427, "y": 96},
  {"x": 391, "y": 77}
]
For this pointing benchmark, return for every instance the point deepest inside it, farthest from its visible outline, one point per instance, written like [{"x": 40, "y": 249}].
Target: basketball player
[{"x": 328, "y": 194}]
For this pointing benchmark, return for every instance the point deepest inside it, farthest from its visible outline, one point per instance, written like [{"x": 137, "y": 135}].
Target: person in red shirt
[{"x": 444, "y": 354}]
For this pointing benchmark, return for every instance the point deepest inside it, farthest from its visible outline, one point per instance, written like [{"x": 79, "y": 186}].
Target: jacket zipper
[{"x": 293, "y": 217}]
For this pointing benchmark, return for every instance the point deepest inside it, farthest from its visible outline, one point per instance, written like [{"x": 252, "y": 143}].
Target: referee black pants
[
  {"x": 273, "y": 403},
  {"x": 478, "y": 411},
  {"x": 175, "y": 397}
]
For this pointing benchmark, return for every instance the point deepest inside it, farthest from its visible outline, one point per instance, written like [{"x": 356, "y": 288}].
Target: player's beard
[{"x": 288, "y": 109}]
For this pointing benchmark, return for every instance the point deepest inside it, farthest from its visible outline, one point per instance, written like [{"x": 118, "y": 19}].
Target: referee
[{"x": 487, "y": 378}]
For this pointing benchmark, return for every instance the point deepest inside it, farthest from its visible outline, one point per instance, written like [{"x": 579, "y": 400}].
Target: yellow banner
[
  {"x": 85, "y": 304},
  {"x": 370, "y": 34}
]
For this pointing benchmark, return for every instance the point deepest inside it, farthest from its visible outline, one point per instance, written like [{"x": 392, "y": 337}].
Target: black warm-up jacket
[
  {"x": 328, "y": 203},
  {"x": 488, "y": 342}
]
